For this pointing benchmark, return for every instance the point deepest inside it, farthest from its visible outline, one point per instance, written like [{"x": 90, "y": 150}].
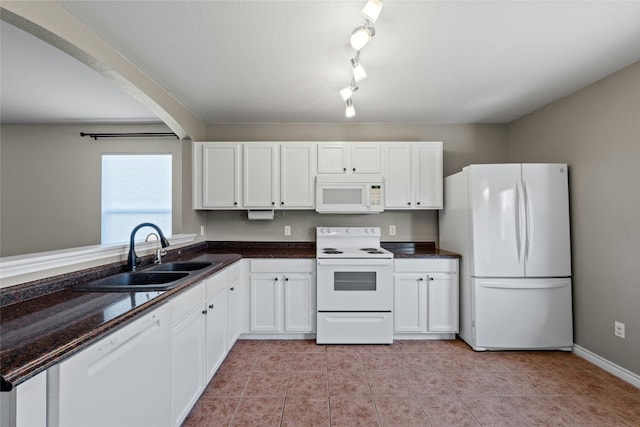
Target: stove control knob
[{"x": 348, "y": 230}]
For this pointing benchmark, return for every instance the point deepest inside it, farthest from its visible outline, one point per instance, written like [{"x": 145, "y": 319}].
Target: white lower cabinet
[
  {"x": 216, "y": 311},
  {"x": 26, "y": 404},
  {"x": 120, "y": 381},
  {"x": 235, "y": 304},
  {"x": 187, "y": 351},
  {"x": 282, "y": 295},
  {"x": 426, "y": 296}
]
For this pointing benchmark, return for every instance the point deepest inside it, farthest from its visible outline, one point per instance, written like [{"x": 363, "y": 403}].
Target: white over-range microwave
[{"x": 353, "y": 194}]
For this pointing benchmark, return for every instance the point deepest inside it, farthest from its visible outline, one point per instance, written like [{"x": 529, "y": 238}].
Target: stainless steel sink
[
  {"x": 183, "y": 266},
  {"x": 134, "y": 281}
]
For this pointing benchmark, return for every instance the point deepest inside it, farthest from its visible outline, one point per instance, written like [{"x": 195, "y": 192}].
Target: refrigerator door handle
[
  {"x": 518, "y": 287},
  {"x": 527, "y": 219},
  {"x": 517, "y": 219}
]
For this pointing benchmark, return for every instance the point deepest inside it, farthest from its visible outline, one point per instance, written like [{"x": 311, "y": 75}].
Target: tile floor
[{"x": 410, "y": 383}]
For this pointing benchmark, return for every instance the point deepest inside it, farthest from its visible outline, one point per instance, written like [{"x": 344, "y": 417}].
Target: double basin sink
[{"x": 159, "y": 278}]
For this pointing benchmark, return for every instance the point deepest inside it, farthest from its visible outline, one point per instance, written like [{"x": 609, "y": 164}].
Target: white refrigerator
[{"x": 510, "y": 223}]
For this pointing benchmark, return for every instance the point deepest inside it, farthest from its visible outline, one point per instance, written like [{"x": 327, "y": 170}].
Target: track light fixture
[
  {"x": 360, "y": 36},
  {"x": 358, "y": 70},
  {"x": 350, "y": 111},
  {"x": 347, "y": 92},
  {"x": 372, "y": 9}
]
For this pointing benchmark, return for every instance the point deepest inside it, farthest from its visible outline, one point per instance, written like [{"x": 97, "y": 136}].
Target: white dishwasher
[{"x": 123, "y": 380}]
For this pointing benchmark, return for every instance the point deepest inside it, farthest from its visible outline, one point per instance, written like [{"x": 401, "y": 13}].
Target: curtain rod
[{"x": 95, "y": 136}]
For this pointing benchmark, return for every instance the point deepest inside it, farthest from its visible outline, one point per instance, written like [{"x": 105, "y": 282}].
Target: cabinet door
[
  {"x": 410, "y": 310},
  {"x": 428, "y": 175},
  {"x": 266, "y": 306},
  {"x": 299, "y": 303},
  {"x": 366, "y": 158},
  {"x": 397, "y": 174},
  {"x": 332, "y": 158},
  {"x": 31, "y": 402},
  {"x": 443, "y": 302},
  {"x": 187, "y": 364},
  {"x": 234, "y": 313},
  {"x": 221, "y": 175},
  {"x": 260, "y": 166},
  {"x": 216, "y": 331},
  {"x": 296, "y": 176}
]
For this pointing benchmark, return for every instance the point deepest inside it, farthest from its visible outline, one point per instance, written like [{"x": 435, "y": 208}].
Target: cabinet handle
[
  {"x": 273, "y": 203},
  {"x": 210, "y": 306},
  {"x": 354, "y": 169},
  {"x": 408, "y": 203},
  {"x": 431, "y": 279},
  {"x": 204, "y": 311},
  {"x": 235, "y": 203},
  {"x": 286, "y": 279},
  {"x": 344, "y": 169},
  {"x": 282, "y": 203},
  {"x": 418, "y": 203},
  {"x": 276, "y": 279},
  {"x": 232, "y": 289},
  {"x": 421, "y": 279}
]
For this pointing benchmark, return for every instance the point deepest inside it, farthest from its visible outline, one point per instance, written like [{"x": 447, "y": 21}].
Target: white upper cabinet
[
  {"x": 217, "y": 175},
  {"x": 260, "y": 175},
  {"x": 413, "y": 175},
  {"x": 297, "y": 170},
  {"x": 348, "y": 158}
]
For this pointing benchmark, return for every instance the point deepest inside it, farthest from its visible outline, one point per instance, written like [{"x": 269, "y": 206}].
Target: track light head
[
  {"x": 350, "y": 111},
  {"x": 372, "y": 9},
  {"x": 347, "y": 92},
  {"x": 358, "y": 70},
  {"x": 361, "y": 36}
]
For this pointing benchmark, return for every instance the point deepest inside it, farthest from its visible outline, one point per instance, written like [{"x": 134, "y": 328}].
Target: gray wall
[
  {"x": 597, "y": 132},
  {"x": 50, "y": 181},
  {"x": 463, "y": 144}
]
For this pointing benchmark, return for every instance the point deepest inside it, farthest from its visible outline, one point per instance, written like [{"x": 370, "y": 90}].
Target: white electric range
[{"x": 354, "y": 286}]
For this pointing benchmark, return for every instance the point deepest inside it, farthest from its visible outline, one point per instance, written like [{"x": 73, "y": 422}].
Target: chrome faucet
[
  {"x": 132, "y": 258},
  {"x": 159, "y": 251}
]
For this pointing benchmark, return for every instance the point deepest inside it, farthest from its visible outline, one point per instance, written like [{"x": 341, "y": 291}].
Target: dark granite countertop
[{"x": 43, "y": 322}]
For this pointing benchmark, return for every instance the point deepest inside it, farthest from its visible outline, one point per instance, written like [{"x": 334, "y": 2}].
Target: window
[{"x": 136, "y": 188}]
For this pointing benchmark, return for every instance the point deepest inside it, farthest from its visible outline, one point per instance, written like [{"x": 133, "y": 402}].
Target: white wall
[{"x": 597, "y": 132}]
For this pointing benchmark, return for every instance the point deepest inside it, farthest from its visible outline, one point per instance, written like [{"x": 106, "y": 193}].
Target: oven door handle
[{"x": 355, "y": 262}]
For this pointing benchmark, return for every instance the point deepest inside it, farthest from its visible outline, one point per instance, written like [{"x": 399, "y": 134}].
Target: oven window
[{"x": 354, "y": 281}]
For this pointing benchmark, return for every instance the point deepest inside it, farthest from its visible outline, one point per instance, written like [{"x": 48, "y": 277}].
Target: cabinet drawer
[
  {"x": 217, "y": 283},
  {"x": 187, "y": 301},
  {"x": 234, "y": 272},
  {"x": 432, "y": 265},
  {"x": 281, "y": 266}
]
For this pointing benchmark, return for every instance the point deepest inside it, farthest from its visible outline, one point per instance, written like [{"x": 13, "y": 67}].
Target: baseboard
[{"x": 608, "y": 366}]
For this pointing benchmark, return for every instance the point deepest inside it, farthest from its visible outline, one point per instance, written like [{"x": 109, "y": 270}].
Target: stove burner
[
  {"x": 331, "y": 251},
  {"x": 375, "y": 252},
  {"x": 369, "y": 249}
]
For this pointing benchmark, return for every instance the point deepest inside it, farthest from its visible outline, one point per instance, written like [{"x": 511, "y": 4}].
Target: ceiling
[{"x": 284, "y": 61}]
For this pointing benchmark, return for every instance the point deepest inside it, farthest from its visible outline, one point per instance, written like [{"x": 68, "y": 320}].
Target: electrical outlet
[
  {"x": 618, "y": 329},
  {"x": 392, "y": 230},
  {"x": 202, "y": 230},
  {"x": 287, "y": 230}
]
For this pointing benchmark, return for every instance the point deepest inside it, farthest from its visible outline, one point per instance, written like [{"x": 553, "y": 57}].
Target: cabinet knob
[
  {"x": 211, "y": 306},
  {"x": 431, "y": 279},
  {"x": 408, "y": 203},
  {"x": 282, "y": 203},
  {"x": 235, "y": 203},
  {"x": 418, "y": 203},
  {"x": 232, "y": 289},
  {"x": 204, "y": 311},
  {"x": 273, "y": 203},
  {"x": 344, "y": 169},
  {"x": 276, "y": 279},
  {"x": 286, "y": 279},
  {"x": 354, "y": 169},
  {"x": 421, "y": 279}
]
